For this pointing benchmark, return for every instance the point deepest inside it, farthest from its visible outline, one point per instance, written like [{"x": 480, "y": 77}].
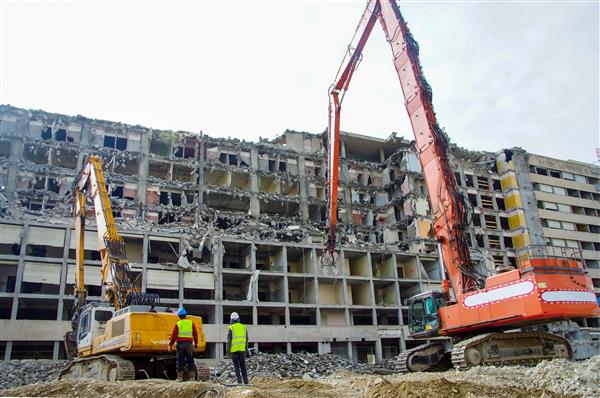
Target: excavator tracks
[
  {"x": 421, "y": 358},
  {"x": 509, "y": 348},
  {"x": 101, "y": 367}
]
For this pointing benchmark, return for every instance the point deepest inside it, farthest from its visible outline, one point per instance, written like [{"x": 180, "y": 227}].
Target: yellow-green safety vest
[
  {"x": 185, "y": 328},
  {"x": 238, "y": 337}
]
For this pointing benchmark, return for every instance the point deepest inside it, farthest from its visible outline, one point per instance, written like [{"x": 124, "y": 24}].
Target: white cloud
[{"x": 503, "y": 74}]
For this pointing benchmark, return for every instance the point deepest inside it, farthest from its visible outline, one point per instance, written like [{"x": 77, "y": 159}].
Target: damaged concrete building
[{"x": 222, "y": 225}]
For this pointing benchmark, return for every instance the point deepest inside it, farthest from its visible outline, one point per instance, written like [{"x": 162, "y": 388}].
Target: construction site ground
[{"x": 558, "y": 378}]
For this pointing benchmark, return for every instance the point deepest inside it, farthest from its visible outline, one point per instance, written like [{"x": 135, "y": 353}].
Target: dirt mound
[
  {"x": 444, "y": 388},
  {"x": 552, "y": 379},
  {"x": 98, "y": 389},
  {"x": 579, "y": 378}
]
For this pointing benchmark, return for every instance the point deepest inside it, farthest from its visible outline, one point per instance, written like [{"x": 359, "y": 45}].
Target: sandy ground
[
  {"x": 549, "y": 379},
  {"x": 340, "y": 385}
]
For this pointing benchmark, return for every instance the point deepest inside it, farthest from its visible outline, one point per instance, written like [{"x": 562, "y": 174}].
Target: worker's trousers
[
  {"x": 239, "y": 364},
  {"x": 185, "y": 356}
]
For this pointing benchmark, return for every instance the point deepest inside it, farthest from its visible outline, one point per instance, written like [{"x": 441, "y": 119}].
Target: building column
[
  {"x": 63, "y": 274},
  {"x": 56, "y": 350},
  {"x": 180, "y": 287},
  {"x": 145, "y": 246},
  {"x": 378, "y": 351},
  {"x": 84, "y": 143},
  {"x": 20, "y": 269},
  {"x": 8, "y": 350},
  {"x": 303, "y": 188},
  {"x": 350, "y": 351},
  {"x": 16, "y": 153},
  {"x": 143, "y": 168},
  {"x": 254, "y": 183},
  {"x": 200, "y": 182}
]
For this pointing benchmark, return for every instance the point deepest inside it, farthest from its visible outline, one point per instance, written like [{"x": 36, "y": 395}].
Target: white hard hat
[{"x": 234, "y": 316}]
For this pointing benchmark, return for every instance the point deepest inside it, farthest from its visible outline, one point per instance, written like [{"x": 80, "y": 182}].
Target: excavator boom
[
  {"x": 449, "y": 209},
  {"x": 117, "y": 281},
  {"x": 548, "y": 285}
]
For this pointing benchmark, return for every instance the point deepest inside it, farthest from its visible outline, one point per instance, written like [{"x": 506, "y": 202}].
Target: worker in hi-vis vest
[
  {"x": 185, "y": 334},
  {"x": 237, "y": 345}
]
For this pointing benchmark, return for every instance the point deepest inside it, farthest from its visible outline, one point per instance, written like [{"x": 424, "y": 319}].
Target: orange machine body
[{"x": 541, "y": 290}]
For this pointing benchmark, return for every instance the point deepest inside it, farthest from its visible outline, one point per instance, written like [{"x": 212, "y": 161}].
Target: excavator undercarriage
[
  {"x": 511, "y": 348},
  {"x": 526, "y": 347},
  {"x": 116, "y": 368}
]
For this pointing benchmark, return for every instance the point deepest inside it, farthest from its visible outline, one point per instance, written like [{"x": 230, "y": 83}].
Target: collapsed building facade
[{"x": 223, "y": 225}]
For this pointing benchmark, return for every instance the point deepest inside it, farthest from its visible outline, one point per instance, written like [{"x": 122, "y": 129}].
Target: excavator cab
[
  {"x": 423, "y": 316},
  {"x": 91, "y": 323}
]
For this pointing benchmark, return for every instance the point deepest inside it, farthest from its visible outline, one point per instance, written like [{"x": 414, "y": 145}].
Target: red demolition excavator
[{"x": 510, "y": 317}]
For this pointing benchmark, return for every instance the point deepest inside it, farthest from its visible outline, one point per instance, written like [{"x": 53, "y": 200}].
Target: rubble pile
[
  {"x": 306, "y": 366},
  {"x": 19, "y": 373},
  {"x": 567, "y": 377},
  {"x": 579, "y": 378}
]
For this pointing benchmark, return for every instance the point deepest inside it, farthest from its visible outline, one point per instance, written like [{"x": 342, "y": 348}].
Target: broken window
[
  {"x": 490, "y": 222},
  {"x": 472, "y": 199},
  {"x": 494, "y": 241},
  {"x": 554, "y": 173},
  {"x": 47, "y": 133},
  {"x": 541, "y": 171},
  {"x": 53, "y": 185},
  {"x": 232, "y": 160},
  {"x": 479, "y": 239},
  {"x": 189, "y": 152},
  {"x": 486, "y": 202},
  {"x": 176, "y": 199},
  {"x": 500, "y": 203},
  {"x": 39, "y": 183},
  {"x": 469, "y": 181},
  {"x": 483, "y": 183},
  {"x": 164, "y": 198},
  {"x": 117, "y": 191},
  {"x": 109, "y": 141},
  {"x": 186, "y": 152},
  {"x": 119, "y": 143},
  {"x": 496, "y": 185},
  {"x": 457, "y": 178},
  {"x": 61, "y": 135}
]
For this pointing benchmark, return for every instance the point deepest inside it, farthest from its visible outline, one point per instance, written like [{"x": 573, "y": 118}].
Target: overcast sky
[{"x": 503, "y": 73}]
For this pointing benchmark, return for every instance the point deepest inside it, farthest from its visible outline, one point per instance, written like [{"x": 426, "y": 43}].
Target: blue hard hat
[{"x": 182, "y": 312}]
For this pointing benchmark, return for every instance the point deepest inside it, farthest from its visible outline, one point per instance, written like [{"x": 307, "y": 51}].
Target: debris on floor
[
  {"x": 18, "y": 373},
  {"x": 549, "y": 379}
]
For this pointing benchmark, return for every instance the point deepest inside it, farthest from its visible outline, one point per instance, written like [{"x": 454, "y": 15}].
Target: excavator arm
[
  {"x": 117, "y": 281},
  {"x": 450, "y": 212}
]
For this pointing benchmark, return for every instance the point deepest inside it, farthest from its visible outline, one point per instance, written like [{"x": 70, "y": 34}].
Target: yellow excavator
[{"x": 125, "y": 337}]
